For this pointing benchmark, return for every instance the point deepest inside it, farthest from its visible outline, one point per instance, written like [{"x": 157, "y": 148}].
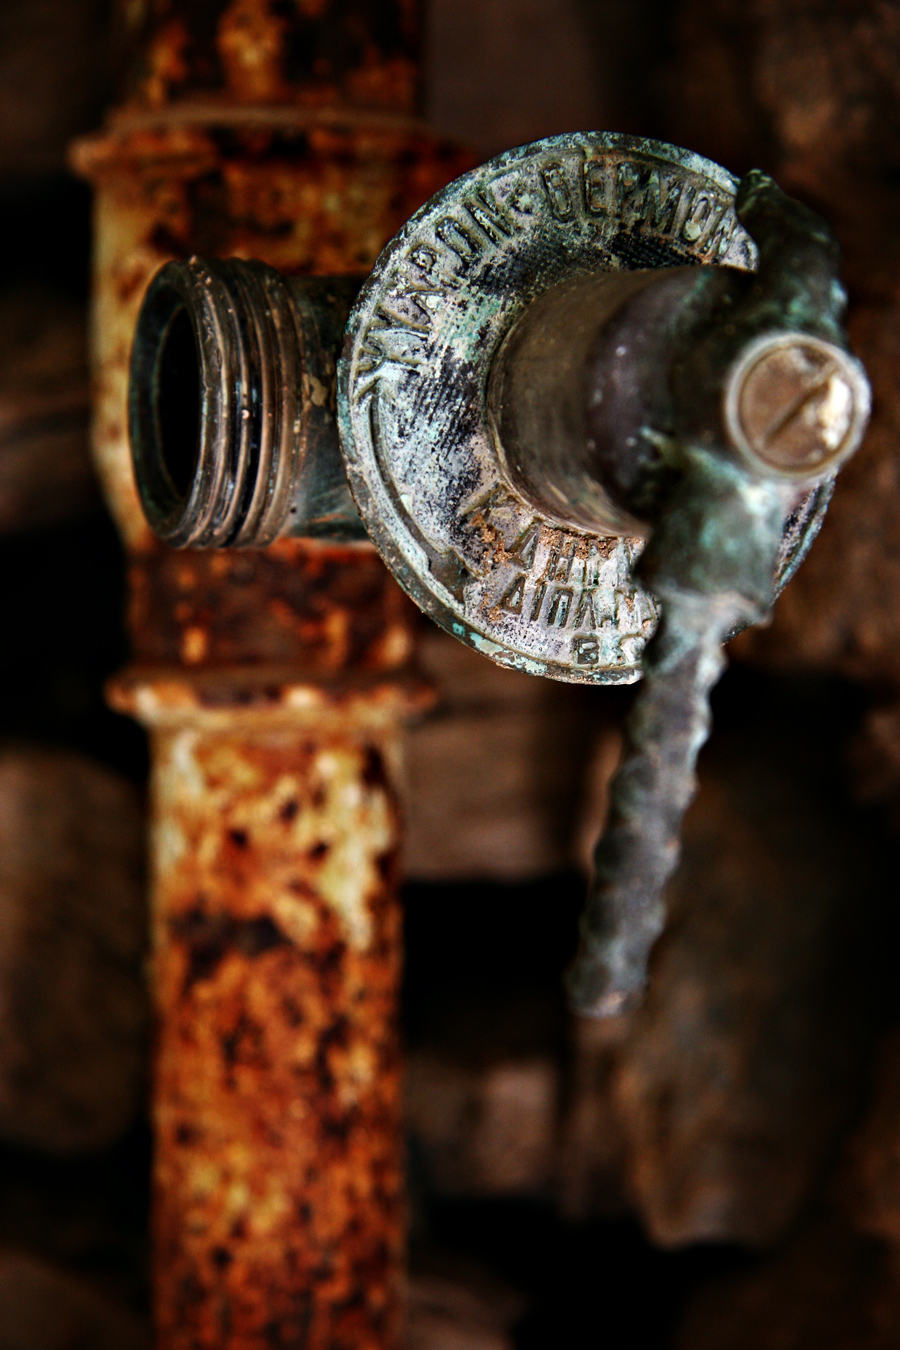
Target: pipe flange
[{"x": 421, "y": 452}]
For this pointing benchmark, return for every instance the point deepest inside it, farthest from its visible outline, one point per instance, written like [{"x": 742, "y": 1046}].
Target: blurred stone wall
[{"x": 753, "y": 1102}]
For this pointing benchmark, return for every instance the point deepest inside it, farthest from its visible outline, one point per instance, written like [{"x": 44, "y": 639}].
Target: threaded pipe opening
[{"x": 214, "y": 411}]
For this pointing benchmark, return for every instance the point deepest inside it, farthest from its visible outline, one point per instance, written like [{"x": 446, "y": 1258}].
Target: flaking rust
[
  {"x": 328, "y": 610},
  {"x": 313, "y": 53},
  {"x": 278, "y": 1216},
  {"x": 273, "y": 686}
]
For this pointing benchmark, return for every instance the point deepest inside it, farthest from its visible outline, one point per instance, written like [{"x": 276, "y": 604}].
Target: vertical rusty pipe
[
  {"x": 278, "y": 1186},
  {"x": 273, "y": 686}
]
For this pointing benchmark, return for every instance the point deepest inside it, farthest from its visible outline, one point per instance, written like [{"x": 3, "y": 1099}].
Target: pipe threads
[{"x": 215, "y": 405}]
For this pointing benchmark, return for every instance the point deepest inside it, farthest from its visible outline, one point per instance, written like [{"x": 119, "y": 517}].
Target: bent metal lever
[
  {"x": 754, "y": 412},
  {"x": 593, "y": 379}
]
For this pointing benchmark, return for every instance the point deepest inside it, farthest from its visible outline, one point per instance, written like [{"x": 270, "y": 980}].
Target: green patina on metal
[
  {"x": 413, "y": 400},
  {"x": 711, "y": 563},
  {"x": 593, "y": 382}
]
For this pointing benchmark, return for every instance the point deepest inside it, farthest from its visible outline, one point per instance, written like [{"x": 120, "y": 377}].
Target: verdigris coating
[
  {"x": 592, "y": 382},
  {"x": 711, "y": 562},
  {"x": 479, "y": 492},
  {"x": 517, "y": 582}
]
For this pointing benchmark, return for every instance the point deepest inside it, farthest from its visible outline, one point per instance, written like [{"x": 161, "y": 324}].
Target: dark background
[{"x": 721, "y": 1173}]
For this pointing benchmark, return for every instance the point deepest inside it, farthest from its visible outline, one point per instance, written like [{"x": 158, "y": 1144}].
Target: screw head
[{"x": 796, "y": 406}]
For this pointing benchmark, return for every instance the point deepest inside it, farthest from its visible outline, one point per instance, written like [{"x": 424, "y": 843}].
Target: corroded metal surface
[
  {"x": 711, "y": 561},
  {"x": 279, "y": 1215},
  {"x": 533, "y": 372},
  {"x": 231, "y": 405},
  {"x": 302, "y": 199},
  {"x": 314, "y": 53},
  {"x": 281, "y": 133},
  {"x": 530, "y": 586},
  {"x": 295, "y": 605},
  {"x": 524, "y": 385}
]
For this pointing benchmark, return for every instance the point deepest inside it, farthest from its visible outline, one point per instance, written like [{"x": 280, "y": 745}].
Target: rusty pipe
[
  {"x": 278, "y": 1208},
  {"x": 273, "y": 683}
]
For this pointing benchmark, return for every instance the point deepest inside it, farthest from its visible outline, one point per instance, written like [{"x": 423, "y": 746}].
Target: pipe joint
[{"x": 231, "y": 405}]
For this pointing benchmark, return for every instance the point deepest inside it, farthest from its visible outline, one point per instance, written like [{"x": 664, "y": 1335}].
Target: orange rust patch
[
  {"x": 279, "y": 1212},
  {"x": 318, "y": 609},
  {"x": 250, "y": 41},
  {"x": 278, "y": 131}
]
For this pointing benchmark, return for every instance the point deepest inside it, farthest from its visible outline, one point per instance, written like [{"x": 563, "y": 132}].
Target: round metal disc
[{"x": 420, "y": 452}]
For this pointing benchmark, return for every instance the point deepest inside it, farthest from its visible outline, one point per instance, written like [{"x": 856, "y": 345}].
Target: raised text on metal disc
[{"x": 422, "y": 457}]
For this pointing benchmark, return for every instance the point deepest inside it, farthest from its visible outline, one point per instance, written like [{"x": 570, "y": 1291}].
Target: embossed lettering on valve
[{"x": 421, "y": 452}]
